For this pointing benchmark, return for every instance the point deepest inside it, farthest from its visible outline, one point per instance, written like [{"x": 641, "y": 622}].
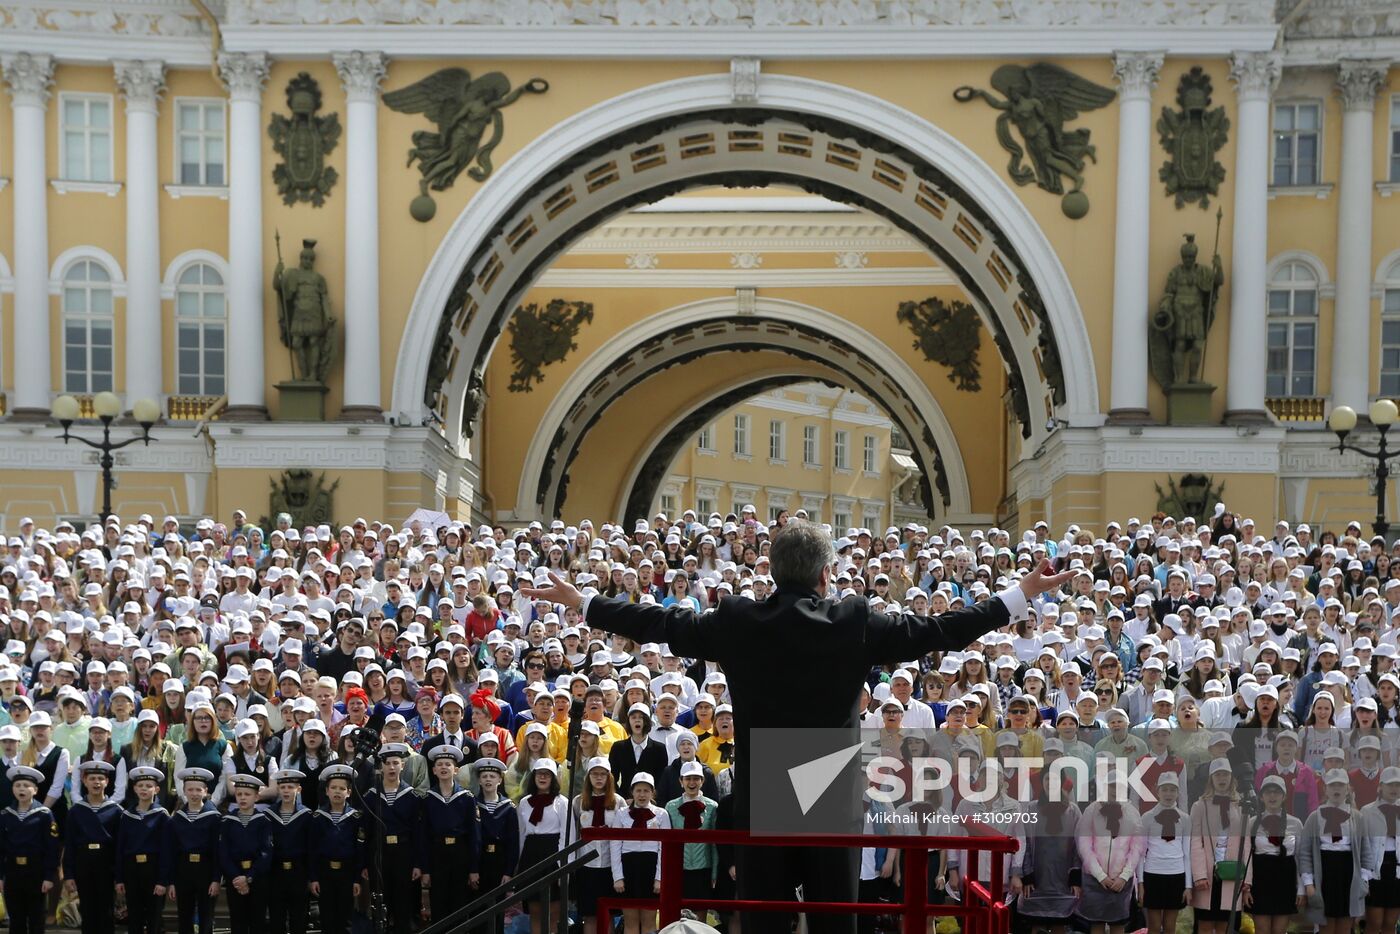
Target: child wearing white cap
[
  {"x": 1273, "y": 892},
  {"x": 1217, "y": 849},
  {"x": 1336, "y": 857},
  {"x": 595, "y": 806},
  {"x": 1164, "y": 876},
  {"x": 1382, "y": 820},
  {"x": 694, "y": 811},
  {"x": 636, "y": 864}
]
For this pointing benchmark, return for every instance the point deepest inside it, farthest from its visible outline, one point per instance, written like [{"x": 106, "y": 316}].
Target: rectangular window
[
  {"x": 840, "y": 522},
  {"x": 741, "y": 435},
  {"x": 704, "y": 505},
  {"x": 1292, "y": 342},
  {"x": 774, "y": 511},
  {"x": 85, "y": 137},
  {"x": 1390, "y": 344},
  {"x": 841, "y": 457},
  {"x": 1394, "y": 174},
  {"x": 668, "y": 505},
  {"x": 814, "y": 514},
  {"x": 867, "y": 454},
  {"x": 199, "y": 142},
  {"x": 777, "y": 440},
  {"x": 872, "y": 522},
  {"x": 705, "y": 441},
  {"x": 1297, "y": 143},
  {"x": 809, "y": 445}
]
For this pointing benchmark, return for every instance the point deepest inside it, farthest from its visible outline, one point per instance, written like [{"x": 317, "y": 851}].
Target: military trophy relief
[
  {"x": 467, "y": 113},
  {"x": 308, "y": 331},
  {"x": 302, "y": 497},
  {"x": 1035, "y": 103},
  {"x": 949, "y": 334},
  {"x": 303, "y": 140},
  {"x": 1176, "y": 346},
  {"x": 1192, "y": 135}
]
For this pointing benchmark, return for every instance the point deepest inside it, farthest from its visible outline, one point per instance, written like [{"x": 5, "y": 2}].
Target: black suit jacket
[
  {"x": 842, "y": 640},
  {"x": 625, "y": 764},
  {"x": 469, "y": 750}
]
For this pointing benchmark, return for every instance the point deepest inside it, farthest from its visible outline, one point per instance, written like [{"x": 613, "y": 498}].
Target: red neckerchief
[
  {"x": 1113, "y": 816},
  {"x": 1273, "y": 826},
  {"x": 540, "y": 803},
  {"x": 1168, "y": 819},
  {"x": 1391, "y": 812},
  {"x": 694, "y": 814},
  {"x": 1333, "y": 821},
  {"x": 640, "y": 817},
  {"x": 599, "y": 805},
  {"x": 1223, "y": 802}
]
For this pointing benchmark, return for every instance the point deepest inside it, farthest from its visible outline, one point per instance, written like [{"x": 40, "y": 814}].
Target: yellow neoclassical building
[{"x": 559, "y": 238}]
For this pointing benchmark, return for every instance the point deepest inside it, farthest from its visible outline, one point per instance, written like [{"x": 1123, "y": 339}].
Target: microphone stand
[
  {"x": 365, "y": 745},
  {"x": 571, "y": 757}
]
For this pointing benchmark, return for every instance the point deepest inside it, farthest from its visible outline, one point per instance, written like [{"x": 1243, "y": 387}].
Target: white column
[
  {"x": 361, "y": 73},
  {"x": 1255, "y": 75},
  {"x": 29, "y": 77},
  {"x": 1358, "y": 83},
  {"x": 141, "y": 84},
  {"x": 245, "y": 73},
  {"x": 1137, "y": 76}
]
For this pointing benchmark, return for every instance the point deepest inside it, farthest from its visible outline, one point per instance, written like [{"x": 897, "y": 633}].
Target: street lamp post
[
  {"x": 107, "y": 406},
  {"x": 1383, "y": 415}
]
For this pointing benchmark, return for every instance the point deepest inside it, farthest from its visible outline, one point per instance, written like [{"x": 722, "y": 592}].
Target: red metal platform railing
[{"x": 983, "y": 909}]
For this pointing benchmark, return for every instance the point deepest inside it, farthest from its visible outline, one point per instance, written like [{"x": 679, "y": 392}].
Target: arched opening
[
  {"x": 675, "y": 337},
  {"x": 823, "y": 138}
]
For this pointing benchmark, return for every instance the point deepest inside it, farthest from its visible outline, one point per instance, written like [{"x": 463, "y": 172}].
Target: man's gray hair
[{"x": 797, "y": 555}]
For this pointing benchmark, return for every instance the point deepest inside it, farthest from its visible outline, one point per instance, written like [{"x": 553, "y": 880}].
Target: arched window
[
  {"x": 1292, "y": 364},
  {"x": 200, "y": 321},
  {"x": 1390, "y": 332},
  {"x": 87, "y": 328}
]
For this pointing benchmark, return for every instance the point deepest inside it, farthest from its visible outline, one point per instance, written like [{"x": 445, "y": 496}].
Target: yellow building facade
[{"x": 680, "y": 207}]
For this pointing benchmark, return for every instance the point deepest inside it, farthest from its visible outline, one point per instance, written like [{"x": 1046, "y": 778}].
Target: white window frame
[
  {"x": 811, "y": 446},
  {"x": 668, "y": 503},
  {"x": 705, "y": 440},
  {"x": 870, "y": 454},
  {"x": 66, "y": 97},
  {"x": 1276, "y": 284},
  {"x": 704, "y": 505},
  {"x": 177, "y": 133},
  {"x": 1390, "y": 285},
  {"x": 872, "y": 521},
  {"x": 841, "y": 449},
  {"x": 777, "y": 441},
  {"x": 743, "y": 446},
  {"x": 1293, "y": 181},
  {"x": 201, "y": 322},
  {"x": 840, "y": 522},
  {"x": 87, "y": 318}
]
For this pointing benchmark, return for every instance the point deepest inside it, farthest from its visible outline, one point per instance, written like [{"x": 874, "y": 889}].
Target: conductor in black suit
[{"x": 841, "y": 639}]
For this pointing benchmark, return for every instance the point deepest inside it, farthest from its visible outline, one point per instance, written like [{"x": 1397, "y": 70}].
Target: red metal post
[
  {"x": 672, "y": 873},
  {"x": 915, "y": 872}
]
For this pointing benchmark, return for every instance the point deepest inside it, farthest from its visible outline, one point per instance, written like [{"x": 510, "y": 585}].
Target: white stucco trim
[
  {"x": 73, "y": 254},
  {"x": 182, "y": 262}
]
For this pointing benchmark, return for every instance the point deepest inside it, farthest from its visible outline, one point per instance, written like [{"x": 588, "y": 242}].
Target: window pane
[
  {"x": 1278, "y": 302},
  {"x": 1283, "y": 117},
  {"x": 74, "y": 157},
  {"x": 1308, "y": 117},
  {"x": 101, "y": 159},
  {"x": 100, "y": 301},
  {"x": 1392, "y": 299},
  {"x": 102, "y": 359},
  {"x": 188, "y": 117},
  {"x": 214, "y": 118},
  {"x": 1390, "y": 358},
  {"x": 1305, "y": 302},
  {"x": 213, "y": 305},
  {"x": 99, "y": 116},
  {"x": 214, "y": 174},
  {"x": 213, "y": 361},
  {"x": 1303, "y": 384},
  {"x": 1303, "y": 335},
  {"x": 1390, "y": 332},
  {"x": 74, "y": 112},
  {"x": 1390, "y": 384}
]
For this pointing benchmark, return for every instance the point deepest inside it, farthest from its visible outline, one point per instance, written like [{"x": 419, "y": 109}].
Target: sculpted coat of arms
[
  {"x": 1192, "y": 136},
  {"x": 948, "y": 334},
  {"x": 541, "y": 336},
  {"x": 303, "y": 140}
]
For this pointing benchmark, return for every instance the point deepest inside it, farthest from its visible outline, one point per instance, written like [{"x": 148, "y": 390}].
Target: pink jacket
[
  {"x": 1105, "y": 855},
  {"x": 1206, "y": 826}
]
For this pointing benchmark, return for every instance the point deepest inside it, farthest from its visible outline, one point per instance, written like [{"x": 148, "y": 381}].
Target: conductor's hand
[
  {"x": 1041, "y": 580},
  {"x": 562, "y": 592}
]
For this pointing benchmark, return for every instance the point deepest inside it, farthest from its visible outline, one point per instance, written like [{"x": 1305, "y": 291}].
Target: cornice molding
[
  {"x": 709, "y": 233},
  {"x": 728, "y": 279}
]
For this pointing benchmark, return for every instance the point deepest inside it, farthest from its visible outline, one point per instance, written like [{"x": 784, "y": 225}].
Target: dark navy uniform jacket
[
  {"x": 402, "y": 822},
  {"x": 90, "y": 829},
  {"x": 32, "y": 835},
  {"x": 500, "y": 829},
  {"x": 196, "y": 834},
  {"x": 336, "y": 838},
  {"x": 291, "y": 835},
  {"x": 452, "y": 821},
  {"x": 245, "y": 849},
  {"x": 142, "y": 838}
]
